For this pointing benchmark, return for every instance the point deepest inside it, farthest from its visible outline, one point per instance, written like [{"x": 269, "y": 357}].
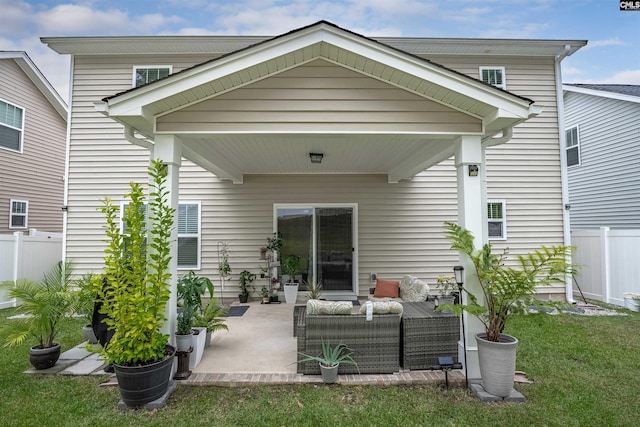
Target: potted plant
[
  {"x": 505, "y": 292},
  {"x": 275, "y": 287},
  {"x": 86, "y": 298},
  {"x": 448, "y": 289},
  {"x": 45, "y": 305},
  {"x": 191, "y": 288},
  {"x": 330, "y": 360},
  {"x": 314, "y": 288},
  {"x": 290, "y": 267},
  {"x": 136, "y": 290},
  {"x": 246, "y": 287},
  {"x": 274, "y": 244},
  {"x": 212, "y": 318},
  {"x": 183, "y": 328},
  {"x": 265, "y": 294}
]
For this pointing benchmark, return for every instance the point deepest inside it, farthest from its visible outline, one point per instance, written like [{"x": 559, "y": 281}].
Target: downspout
[
  {"x": 129, "y": 134},
  {"x": 566, "y": 218},
  {"x": 507, "y": 134}
]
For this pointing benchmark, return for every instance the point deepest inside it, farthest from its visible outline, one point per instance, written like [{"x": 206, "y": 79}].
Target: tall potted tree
[
  {"x": 506, "y": 291},
  {"x": 136, "y": 289},
  {"x": 291, "y": 267}
]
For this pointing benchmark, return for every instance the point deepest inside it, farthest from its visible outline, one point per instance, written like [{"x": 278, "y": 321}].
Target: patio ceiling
[{"x": 364, "y": 147}]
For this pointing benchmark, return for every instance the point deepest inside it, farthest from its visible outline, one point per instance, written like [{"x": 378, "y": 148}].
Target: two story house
[
  {"x": 357, "y": 149},
  {"x": 33, "y": 129}
]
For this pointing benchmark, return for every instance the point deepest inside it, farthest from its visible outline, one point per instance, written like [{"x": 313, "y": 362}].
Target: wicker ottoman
[{"x": 426, "y": 335}]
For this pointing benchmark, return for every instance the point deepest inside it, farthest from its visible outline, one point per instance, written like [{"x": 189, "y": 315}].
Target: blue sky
[{"x": 612, "y": 55}]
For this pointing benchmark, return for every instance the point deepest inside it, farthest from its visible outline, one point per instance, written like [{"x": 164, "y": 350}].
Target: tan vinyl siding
[
  {"x": 37, "y": 174},
  {"x": 318, "y": 96},
  {"x": 400, "y": 226}
]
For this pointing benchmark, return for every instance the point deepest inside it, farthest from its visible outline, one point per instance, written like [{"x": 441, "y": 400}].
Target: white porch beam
[
  {"x": 233, "y": 174},
  {"x": 420, "y": 160},
  {"x": 168, "y": 149},
  {"x": 472, "y": 207}
]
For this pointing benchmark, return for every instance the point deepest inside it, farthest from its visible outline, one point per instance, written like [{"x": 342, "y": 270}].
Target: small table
[{"x": 427, "y": 334}]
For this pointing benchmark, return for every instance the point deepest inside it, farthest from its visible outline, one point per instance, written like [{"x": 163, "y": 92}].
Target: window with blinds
[
  {"x": 497, "y": 220},
  {"x": 573, "y": 146},
  {"x": 11, "y": 126},
  {"x": 148, "y": 74},
  {"x": 494, "y": 76},
  {"x": 18, "y": 214},
  {"x": 188, "y": 234}
]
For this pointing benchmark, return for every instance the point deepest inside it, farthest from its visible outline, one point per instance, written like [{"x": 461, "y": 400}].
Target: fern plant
[
  {"x": 506, "y": 290},
  {"x": 212, "y": 316},
  {"x": 136, "y": 273}
]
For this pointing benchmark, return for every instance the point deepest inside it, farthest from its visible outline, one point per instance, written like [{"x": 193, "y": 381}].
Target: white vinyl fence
[
  {"x": 27, "y": 257},
  {"x": 609, "y": 263}
]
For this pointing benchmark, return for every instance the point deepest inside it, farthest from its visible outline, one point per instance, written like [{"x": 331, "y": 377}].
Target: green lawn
[{"x": 584, "y": 372}]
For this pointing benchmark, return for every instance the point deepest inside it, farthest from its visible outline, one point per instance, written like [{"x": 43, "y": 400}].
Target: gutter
[
  {"x": 566, "y": 217},
  {"x": 129, "y": 132}
]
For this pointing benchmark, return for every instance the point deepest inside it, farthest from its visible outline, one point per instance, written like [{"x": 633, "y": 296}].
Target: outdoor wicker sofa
[{"x": 375, "y": 343}]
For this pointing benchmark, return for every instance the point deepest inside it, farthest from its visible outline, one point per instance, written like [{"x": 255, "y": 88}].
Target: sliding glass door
[{"x": 323, "y": 237}]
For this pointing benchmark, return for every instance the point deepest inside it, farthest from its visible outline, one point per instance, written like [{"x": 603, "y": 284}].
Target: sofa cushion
[
  {"x": 413, "y": 289},
  {"x": 386, "y": 289},
  {"x": 315, "y": 306},
  {"x": 380, "y": 307}
]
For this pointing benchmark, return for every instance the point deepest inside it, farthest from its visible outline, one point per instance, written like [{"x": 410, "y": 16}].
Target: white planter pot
[
  {"x": 497, "y": 363},
  {"x": 631, "y": 302},
  {"x": 291, "y": 293},
  {"x": 329, "y": 373},
  {"x": 183, "y": 342},
  {"x": 198, "y": 343}
]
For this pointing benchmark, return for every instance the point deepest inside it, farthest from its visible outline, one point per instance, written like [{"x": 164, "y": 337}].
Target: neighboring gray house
[
  {"x": 358, "y": 148},
  {"x": 602, "y": 127},
  {"x": 33, "y": 129}
]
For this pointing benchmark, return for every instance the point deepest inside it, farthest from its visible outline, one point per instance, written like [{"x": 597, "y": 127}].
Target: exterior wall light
[
  {"x": 473, "y": 170},
  {"x": 316, "y": 158}
]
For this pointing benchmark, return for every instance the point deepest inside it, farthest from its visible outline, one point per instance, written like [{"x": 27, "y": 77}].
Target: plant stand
[{"x": 183, "y": 371}]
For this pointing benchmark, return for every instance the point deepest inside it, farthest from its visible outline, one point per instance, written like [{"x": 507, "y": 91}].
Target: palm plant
[
  {"x": 212, "y": 316},
  {"x": 314, "y": 288},
  {"x": 45, "y": 305}
]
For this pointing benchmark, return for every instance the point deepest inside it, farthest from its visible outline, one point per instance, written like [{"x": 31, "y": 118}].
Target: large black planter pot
[
  {"x": 243, "y": 298},
  {"x": 44, "y": 358},
  {"x": 140, "y": 385}
]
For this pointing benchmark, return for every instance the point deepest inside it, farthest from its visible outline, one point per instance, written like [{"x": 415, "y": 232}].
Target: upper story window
[
  {"x": 18, "y": 214},
  {"x": 496, "y": 214},
  {"x": 11, "y": 126},
  {"x": 147, "y": 74},
  {"x": 573, "y": 146},
  {"x": 494, "y": 76}
]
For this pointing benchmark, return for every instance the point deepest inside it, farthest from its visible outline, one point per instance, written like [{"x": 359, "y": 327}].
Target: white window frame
[
  {"x": 13, "y": 214},
  {"x": 502, "y": 220},
  {"x": 197, "y": 266},
  {"x": 147, "y": 67},
  {"x": 21, "y": 129},
  {"x": 576, "y": 146},
  {"x": 502, "y": 71}
]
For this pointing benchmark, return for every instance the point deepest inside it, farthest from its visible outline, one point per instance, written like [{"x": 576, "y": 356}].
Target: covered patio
[{"x": 367, "y": 107}]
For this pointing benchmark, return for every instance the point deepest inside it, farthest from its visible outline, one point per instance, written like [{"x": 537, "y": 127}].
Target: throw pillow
[
  {"x": 413, "y": 289},
  {"x": 386, "y": 288},
  {"x": 380, "y": 307},
  {"x": 316, "y": 306}
]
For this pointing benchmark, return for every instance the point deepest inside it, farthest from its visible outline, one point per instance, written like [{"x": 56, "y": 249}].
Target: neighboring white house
[
  {"x": 602, "y": 126},
  {"x": 33, "y": 130},
  {"x": 412, "y": 132}
]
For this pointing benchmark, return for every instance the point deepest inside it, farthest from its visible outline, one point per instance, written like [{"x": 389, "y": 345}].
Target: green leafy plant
[
  {"x": 191, "y": 288},
  {"x": 246, "y": 280},
  {"x": 86, "y": 295},
  {"x": 506, "y": 291},
  {"x": 291, "y": 266},
  {"x": 331, "y": 357},
  {"x": 46, "y": 305},
  {"x": 212, "y": 317},
  {"x": 224, "y": 269},
  {"x": 136, "y": 288},
  {"x": 185, "y": 320},
  {"x": 274, "y": 243},
  {"x": 264, "y": 291},
  {"x": 314, "y": 288}
]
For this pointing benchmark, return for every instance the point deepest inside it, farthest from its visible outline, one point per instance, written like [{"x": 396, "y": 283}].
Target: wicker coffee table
[{"x": 427, "y": 335}]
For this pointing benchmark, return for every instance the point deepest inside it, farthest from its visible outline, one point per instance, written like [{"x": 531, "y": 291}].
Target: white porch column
[
  {"x": 472, "y": 207},
  {"x": 169, "y": 150}
]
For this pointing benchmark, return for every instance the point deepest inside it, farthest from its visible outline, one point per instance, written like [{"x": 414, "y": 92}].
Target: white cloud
[
  {"x": 603, "y": 43},
  {"x": 626, "y": 77}
]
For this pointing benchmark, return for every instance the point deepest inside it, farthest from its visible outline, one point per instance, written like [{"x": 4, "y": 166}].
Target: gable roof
[
  {"x": 39, "y": 80},
  {"x": 621, "y": 92}
]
